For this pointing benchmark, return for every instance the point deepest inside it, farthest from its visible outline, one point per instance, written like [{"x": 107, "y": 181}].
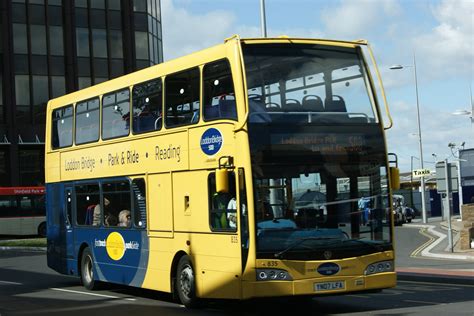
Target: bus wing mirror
[
  {"x": 222, "y": 181},
  {"x": 394, "y": 172},
  {"x": 394, "y": 178}
]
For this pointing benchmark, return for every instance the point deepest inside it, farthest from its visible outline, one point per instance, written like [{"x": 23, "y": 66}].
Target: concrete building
[{"x": 52, "y": 47}]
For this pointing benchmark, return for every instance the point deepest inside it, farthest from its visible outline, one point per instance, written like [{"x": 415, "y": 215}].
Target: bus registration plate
[{"x": 329, "y": 286}]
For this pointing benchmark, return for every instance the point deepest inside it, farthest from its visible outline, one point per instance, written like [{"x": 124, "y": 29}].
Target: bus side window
[
  {"x": 222, "y": 205},
  {"x": 219, "y": 97},
  {"x": 87, "y": 198},
  {"x": 62, "y": 127},
  {"x": 139, "y": 202},
  {"x": 8, "y": 206},
  {"x": 87, "y": 121},
  {"x": 182, "y": 98},
  {"x": 26, "y": 206},
  {"x": 117, "y": 204},
  {"x": 116, "y": 114},
  {"x": 147, "y": 106}
]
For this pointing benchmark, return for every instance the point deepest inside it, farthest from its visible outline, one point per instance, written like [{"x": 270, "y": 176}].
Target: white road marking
[
  {"x": 358, "y": 296},
  {"x": 455, "y": 286},
  {"x": 12, "y": 283},
  {"x": 426, "y": 251},
  {"x": 423, "y": 302},
  {"x": 84, "y": 293}
]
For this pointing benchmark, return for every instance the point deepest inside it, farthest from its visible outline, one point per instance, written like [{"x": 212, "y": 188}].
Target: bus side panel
[
  {"x": 120, "y": 254},
  {"x": 52, "y": 167},
  {"x": 215, "y": 255},
  {"x": 56, "y": 239},
  {"x": 160, "y": 224},
  {"x": 10, "y": 226},
  {"x": 160, "y": 216}
]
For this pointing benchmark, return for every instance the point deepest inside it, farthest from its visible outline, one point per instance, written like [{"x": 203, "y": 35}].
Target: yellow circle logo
[{"x": 115, "y": 246}]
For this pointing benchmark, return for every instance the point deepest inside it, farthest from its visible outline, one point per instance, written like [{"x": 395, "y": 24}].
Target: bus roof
[
  {"x": 287, "y": 39},
  {"x": 182, "y": 63}
]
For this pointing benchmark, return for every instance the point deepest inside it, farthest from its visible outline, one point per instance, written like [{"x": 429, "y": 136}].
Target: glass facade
[
  {"x": 50, "y": 56},
  {"x": 147, "y": 27}
]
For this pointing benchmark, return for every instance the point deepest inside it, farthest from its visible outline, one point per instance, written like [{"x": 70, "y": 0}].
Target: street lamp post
[
  {"x": 422, "y": 180},
  {"x": 466, "y": 112},
  {"x": 263, "y": 20},
  {"x": 458, "y": 166},
  {"x": 411, "y": 181}
]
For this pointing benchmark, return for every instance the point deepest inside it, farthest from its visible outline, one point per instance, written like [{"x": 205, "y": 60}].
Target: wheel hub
[{"x": 186, "y": 280}]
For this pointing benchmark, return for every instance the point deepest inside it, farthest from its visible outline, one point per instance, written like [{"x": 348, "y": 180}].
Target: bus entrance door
[{"x": 68, "y": 250}]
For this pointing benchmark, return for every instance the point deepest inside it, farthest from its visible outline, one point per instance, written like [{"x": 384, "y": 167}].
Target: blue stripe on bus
[
  {"x": 64, "y": 244},
  {"x": 130, "y": 268}
]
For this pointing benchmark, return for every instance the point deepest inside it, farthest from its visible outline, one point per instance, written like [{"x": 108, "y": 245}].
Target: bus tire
[
  {"x": 186, "y": 283},
  {"x": 42, "y": 230},
  {"x": 87, "y": 270}
]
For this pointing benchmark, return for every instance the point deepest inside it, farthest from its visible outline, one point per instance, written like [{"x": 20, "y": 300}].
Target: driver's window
[
  {"x": 222, "y": 205},
  {"x": 219, "y": 96}
]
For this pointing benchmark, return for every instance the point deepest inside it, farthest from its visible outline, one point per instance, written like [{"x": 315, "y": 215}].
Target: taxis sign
[{"x": 421, "y": 173}]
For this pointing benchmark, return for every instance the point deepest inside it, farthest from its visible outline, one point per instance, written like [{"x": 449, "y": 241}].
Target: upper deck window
[
  {"x": 147, "y": 106},
  {"x": 307, "y": 83},
  {"x": 87, "y": 121},
  {"x": 219, "y": 97},
  {"x": 62, "y": 127},
  {"x": 116, "y": 114},
  {"x": 182, "y": 98}
]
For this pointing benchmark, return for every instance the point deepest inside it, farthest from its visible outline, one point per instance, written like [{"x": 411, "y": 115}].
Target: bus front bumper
[{"x": 319, "y": 286}]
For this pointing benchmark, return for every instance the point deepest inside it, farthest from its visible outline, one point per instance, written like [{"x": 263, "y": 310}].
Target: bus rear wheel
[
  {"x": 42, "y": 229},
  {"x": 186, "y": 283},
  {"x": 87, "y": 270}
]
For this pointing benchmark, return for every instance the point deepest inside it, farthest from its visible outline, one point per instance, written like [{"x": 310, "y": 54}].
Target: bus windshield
[
  {"x": 338, "y": 207},
  {"x": 318, "y": 154},
  {"x": 305, "y": 83}
]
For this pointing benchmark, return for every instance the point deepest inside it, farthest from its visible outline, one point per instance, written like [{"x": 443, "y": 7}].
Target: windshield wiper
[{"x": 299, "y": 242}]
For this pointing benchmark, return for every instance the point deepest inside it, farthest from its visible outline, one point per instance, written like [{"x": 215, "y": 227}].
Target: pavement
[{"x": 447, "y": 265}]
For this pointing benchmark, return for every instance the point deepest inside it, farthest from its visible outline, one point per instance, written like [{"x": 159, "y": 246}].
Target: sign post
[
  {"x": 421, "y": 173},
  {"x": 448, "y": 204},
  {"x": 444, "y": 174}
]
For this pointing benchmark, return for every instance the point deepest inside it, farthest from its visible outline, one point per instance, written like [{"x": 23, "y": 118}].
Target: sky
[{"x": 439, "y": 33}]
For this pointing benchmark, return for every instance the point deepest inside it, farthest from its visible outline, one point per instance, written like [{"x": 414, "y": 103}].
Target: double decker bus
[
  {"x": 254, "y": 168},
  {"x": 22, "y": 211}
]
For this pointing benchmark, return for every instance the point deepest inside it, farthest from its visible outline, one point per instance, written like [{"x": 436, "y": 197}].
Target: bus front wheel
[
  {"x": 185, "y": 283},
  {"x": 87, "y": 270}
]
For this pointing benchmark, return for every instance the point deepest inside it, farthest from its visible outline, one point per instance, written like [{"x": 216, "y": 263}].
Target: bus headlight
[
  {"x": 379, "y": 267},
  {"x": 273, "y": 274}
]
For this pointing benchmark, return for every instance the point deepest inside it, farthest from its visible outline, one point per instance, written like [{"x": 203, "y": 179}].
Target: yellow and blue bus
[{"x": 254, "y": 168}]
